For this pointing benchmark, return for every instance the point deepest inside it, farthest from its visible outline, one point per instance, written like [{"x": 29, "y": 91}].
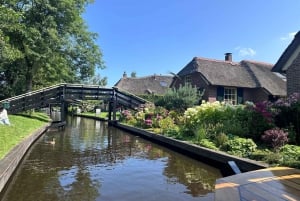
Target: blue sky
[{"x": 161, "y": 36}]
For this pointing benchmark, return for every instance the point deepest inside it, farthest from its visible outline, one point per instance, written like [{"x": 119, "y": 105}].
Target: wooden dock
[{"x": 270, "y": 184}]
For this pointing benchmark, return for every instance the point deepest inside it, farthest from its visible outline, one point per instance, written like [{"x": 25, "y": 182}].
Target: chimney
[
  {"x": 228, "y": 57},
  {"x": 124, "y": 75}
]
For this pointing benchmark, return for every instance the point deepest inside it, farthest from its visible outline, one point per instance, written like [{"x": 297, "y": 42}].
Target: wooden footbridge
[{"x": 62, "y": 94}]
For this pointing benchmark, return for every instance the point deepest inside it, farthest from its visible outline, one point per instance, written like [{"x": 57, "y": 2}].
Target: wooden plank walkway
[{"x": 270, "y": 184}]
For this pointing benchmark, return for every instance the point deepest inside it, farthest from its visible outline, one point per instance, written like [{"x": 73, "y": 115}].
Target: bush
[
  {"x": 221, "y": 140},
  {"x": 172, "y": 132},
  {"x": 259, "y": 120},
  {"x": 275, "y": 138},
  {"x": 293, "y": 164},
  {"x": 179, "y": 99},
  {"x": 200, "y": 133},
  {"x": 288, "y": 115},
  {"x": 208, "y": 144},
  {"x": 166, "y": 124},
  {"x": 274, "y": 158},
  {"x": 260, "y": 155},
  {"x": 240, "y": 146},
  {"x": 290, "y": 152}
]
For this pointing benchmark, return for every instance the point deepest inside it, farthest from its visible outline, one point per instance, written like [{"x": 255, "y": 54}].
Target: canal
[{"x": 91, "y": 161}]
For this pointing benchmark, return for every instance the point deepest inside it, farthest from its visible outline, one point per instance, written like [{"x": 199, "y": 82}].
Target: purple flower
[{"x": 276, "y": 137}]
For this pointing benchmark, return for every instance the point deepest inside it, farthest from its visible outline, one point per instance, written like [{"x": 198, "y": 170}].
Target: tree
[
  {"x": 50, "y": 43},
  {"x": 8, "y": 52},
  {"x": 133, "y": 74},
  {"x": 180, "y": 99},
  {"x": 98, "y": 80}
]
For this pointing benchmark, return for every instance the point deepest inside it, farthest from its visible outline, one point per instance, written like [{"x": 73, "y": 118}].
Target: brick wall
[
  {"x": 197, "y": 81},
  {"x": 293, "y": 77},
  {"x": 253, "y": 95}
]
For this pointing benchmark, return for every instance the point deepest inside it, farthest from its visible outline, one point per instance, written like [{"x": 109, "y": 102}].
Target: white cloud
[
  {"x": 289, "y": 36},
  {"x": 245, "y": 51}
]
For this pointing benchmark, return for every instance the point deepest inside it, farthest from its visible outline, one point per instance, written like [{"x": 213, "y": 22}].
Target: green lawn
[
  {"x": 20, "y": 128},
  {"x": 103, "y": 115}
]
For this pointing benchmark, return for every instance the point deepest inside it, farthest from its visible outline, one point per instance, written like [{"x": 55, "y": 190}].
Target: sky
[{"x": 162, "y": 36}]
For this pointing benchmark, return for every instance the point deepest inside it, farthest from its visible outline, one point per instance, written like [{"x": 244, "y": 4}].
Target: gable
[{"x": 288, "y": 56}]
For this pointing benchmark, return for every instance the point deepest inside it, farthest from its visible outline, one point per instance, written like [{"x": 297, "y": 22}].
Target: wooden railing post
[
  {"x": 63, "y": 104},
  {"x": 114, "y": 105}
]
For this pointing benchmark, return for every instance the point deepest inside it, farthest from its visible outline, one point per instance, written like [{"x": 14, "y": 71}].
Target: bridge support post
[
  {"x": 112, "y": 116},
  {"x": 63, "y": 108},
  {"x": 109, "y": 110},
  {"x": 114, "y": 110},
  {"x": 63, "y": 111}
]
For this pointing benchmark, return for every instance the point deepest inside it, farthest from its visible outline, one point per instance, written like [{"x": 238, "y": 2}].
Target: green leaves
[
  {"x": 45, "y": 42},
  {"x": 180, "y": 99}
]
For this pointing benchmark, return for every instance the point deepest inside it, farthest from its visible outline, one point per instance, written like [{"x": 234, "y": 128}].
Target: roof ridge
[
  {"x": 217, "y": 60},
  {"x": 149, "y": 76},
  {"x": 258, "y": 62}
]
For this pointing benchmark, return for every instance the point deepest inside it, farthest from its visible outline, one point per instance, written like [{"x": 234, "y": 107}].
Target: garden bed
[{"x": 216, "y": 158}]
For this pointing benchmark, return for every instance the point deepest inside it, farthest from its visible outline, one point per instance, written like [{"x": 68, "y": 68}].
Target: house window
[
  {"x": 230, "y": 95},
  {"x": 163, "y": 84},
  {"x": 188, "y": 80}
]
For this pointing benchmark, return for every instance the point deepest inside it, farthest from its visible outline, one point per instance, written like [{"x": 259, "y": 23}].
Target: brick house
[
  {"x": 232, "y": 82},
  {"x": 154, "y": 84},
  {"x": 289, "y": 64}
]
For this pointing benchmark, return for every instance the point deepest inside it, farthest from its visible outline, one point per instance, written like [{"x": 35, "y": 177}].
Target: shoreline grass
[
  {"x": 21, "y": 126},
  {"x": 103, "y": 115}
]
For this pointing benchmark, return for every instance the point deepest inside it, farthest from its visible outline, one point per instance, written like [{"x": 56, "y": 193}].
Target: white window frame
[
  {"x": 188, "y": 80},
  {"x": 230, "y": 95}
]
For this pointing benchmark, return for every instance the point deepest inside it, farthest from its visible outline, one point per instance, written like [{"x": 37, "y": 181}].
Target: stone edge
[
  {"x": 217, "y": 157},
  {"x": 10, "y": 162}
]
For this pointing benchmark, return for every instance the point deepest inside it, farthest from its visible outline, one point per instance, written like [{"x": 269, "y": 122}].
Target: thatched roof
[
  {"x": 247, "y": 74},
  {"x": 288, "y": 56},
  {"x": 264, "y": 78},
  {"x": 154, "y": 84}
]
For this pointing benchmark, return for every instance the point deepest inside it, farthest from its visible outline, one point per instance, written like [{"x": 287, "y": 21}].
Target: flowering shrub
[
  {"x": 207, "y": 112},
  {"x": 275, "y": 137},
  {"x": 289, "y": 101},
  {"x": 233, "y": 129},
  {"x": 260, "y": 120},
  {"x": 126, "y": 115},
  {"x": 148, "y": 123},
  {"x": 263, "y": 108},
  {"x": 218, "y": 118},
  {"x": 288, "y": 116}
]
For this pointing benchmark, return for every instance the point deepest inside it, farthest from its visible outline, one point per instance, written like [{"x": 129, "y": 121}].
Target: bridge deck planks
[{"x": 277, "y": 183}]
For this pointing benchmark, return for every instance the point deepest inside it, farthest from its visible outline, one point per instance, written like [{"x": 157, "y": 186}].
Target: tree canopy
[{"x": 45, "y": 42}]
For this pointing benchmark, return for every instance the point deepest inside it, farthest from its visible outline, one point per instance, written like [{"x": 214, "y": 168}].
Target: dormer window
[{"x": 163, "y": 84}]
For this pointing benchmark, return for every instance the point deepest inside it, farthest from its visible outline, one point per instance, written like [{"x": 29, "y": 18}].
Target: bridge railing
[
  {"x": 129, "y": 100},
  {"x": 35, "y": 99},
  {"x": 61, "y": 92},
  {"x": 87, "y": 92}
]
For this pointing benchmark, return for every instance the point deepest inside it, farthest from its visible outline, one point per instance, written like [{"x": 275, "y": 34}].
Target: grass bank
[
  {"x": 21, "y": 127},
  {"x": 103, "y": 115}
]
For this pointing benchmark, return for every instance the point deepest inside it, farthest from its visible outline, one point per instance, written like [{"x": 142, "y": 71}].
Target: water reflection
[{"x": 90, "y": 161}]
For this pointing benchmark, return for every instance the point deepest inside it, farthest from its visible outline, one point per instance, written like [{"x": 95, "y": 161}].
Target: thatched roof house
[
  {"x": 289, "y": 64},
  {"x": 234, "y": 82},
  {"x": 154, "y": 84}
]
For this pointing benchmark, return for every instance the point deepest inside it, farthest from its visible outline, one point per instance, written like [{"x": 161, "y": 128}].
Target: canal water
[{"x": 91, "y": 161}]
